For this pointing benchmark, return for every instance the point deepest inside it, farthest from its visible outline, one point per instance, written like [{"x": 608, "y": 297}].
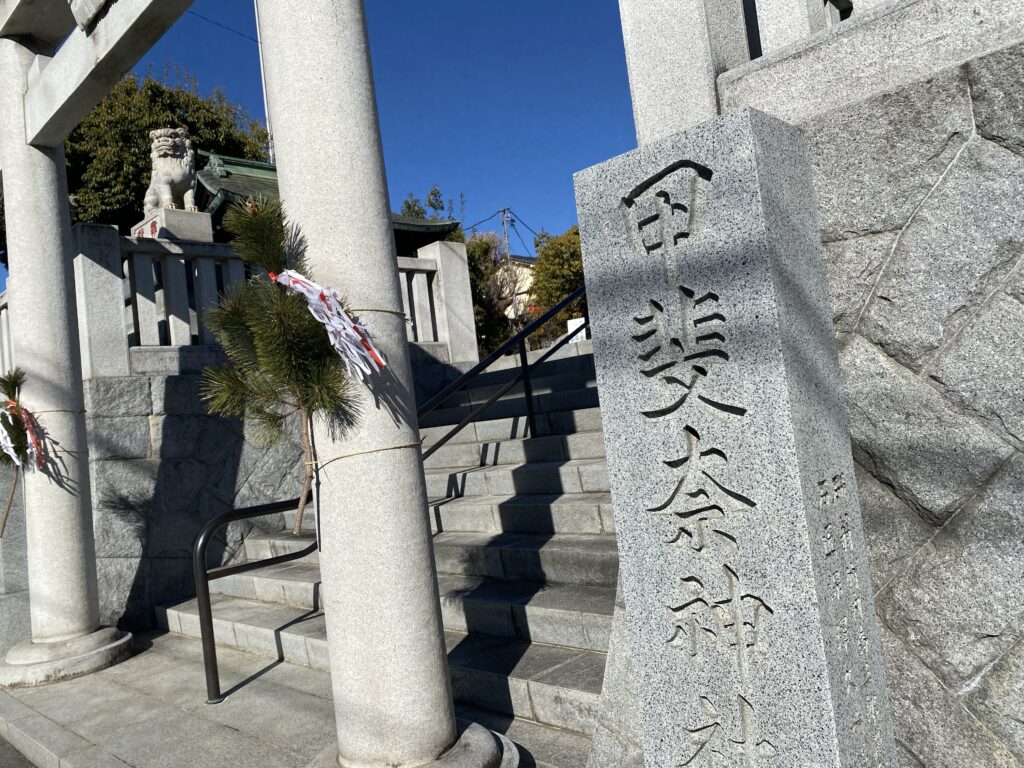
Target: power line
[
  {"x": 523, "y": 242},
  {"x": 223, "y": 26},
  {"x": 482, "y": 221},
  {"x": 520, "y": 218}
]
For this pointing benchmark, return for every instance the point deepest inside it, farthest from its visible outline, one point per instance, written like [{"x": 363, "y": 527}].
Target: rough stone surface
[
  {"x": 118, "y": 396},
  {"x": 980, "y": 370},
  {"x": 907, "y": 435},
  {"x": 758, "y": 396},
  {"x": 956, "y": 606},
  {"x": 998, "y": 699},
  {"x": 894, "y": 532},
  {"x": 853, "y": 267},
  {"x": 962, "y": 243},
  {"x": 617, "y": 738},
  {"x": 998, "y": 98},
  {"x": 932, "y": 727},
  {"x": 871, "y": 180},
  {"x": 886, "y": 48},
  {"x": 119, "y": 437}
]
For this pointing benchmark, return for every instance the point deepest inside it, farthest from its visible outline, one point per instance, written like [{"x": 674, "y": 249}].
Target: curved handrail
[{"x": 203, "y": 575}]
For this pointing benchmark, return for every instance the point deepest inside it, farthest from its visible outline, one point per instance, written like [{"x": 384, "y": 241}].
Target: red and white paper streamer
[
  {"x": 36, "y": 449},
  {"x": 349, "y": 338}
]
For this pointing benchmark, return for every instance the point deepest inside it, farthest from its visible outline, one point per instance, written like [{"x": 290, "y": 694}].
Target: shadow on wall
[
  {"x": 14, "y": 617},
  {"x": 161, "y": 470}
]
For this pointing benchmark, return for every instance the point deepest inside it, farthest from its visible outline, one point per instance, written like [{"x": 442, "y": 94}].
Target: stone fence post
[
  {"x": 100, "y": 290},
  {"x": 453, "y": 300}
]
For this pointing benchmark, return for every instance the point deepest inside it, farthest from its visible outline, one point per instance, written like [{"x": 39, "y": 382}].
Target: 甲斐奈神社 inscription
[{"x": 722, "y": 415}]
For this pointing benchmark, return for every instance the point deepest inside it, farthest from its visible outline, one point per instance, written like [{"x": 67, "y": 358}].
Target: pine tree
[{"x": 281, "y": 364}]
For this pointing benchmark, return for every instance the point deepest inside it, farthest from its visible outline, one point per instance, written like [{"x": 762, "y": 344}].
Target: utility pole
[{"x": 506, "y": 214}]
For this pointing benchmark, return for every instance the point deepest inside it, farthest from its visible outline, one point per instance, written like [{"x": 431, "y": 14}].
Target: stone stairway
[{"x": 526, "y": 561}]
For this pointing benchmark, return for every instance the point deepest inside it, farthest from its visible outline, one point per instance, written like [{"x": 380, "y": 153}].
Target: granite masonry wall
[
  {"x": 160, "y": 469},
  {"x": 920, "y": 193}
]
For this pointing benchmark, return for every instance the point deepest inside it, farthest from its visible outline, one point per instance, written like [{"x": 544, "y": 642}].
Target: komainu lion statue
[{"x": 173, "y": 184}]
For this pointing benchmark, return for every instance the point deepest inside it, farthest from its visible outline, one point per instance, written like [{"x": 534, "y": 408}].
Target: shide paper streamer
[{"x": 349, "y": 338}]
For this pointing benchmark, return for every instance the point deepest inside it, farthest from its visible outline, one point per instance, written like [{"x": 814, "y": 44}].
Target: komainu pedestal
[{"x": 742, "y": 556}]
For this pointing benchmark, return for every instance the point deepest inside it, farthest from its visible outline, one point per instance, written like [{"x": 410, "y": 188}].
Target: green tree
[
  {"x": 493, "y": 286},
  {"x": 281, "y": 363},
  {"x": 108, "y": 160},
  {"x": 559, "y": 271},
  {"x": 412, "y": 207}
]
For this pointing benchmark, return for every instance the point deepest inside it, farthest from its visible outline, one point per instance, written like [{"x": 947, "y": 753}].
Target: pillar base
[
  {"x": 477, "y": 747},
  {"x": 28, "y": 664}
]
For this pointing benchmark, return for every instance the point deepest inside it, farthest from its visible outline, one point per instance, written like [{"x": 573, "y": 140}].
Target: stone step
[
  {"x": 591, "y": 560},
  {"x": 489, "y": 429},
  {"x": 525, "y": 513},
  {"x": 552, "y": 402},
  {"x": 520, "y": 513},
  {"x": 578, "y": 445},
  {"x": 552, "y": 559},
  {"x": 539, "y": 745},
  {"x": 554, "y": 614},
  {"x": 573, "y": 616},
  {"x": 482, "y": 389},
  {"x": 534, "y": 477},
  {"x": 546, "y": 684}
]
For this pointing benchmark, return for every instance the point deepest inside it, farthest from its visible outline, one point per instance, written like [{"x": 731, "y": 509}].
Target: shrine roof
[{"x": 225, "y": 180}]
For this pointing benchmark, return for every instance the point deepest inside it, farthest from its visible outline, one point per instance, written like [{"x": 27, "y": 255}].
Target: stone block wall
[
  {"x": 160, "y": 469},
  {"x": 921, "y": 195},
  {"x": 14, "y": 619}
]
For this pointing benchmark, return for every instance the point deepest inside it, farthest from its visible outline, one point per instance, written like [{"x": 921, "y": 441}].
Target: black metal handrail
[
  {"x": 519, "y": 340},
  {"x": 204, "y": 575}
]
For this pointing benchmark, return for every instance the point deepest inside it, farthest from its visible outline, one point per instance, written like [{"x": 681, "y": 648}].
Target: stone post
[
  {"x": 782, "y": 22},
  {"x": 100, "y": 294},
  {"x": 675, "y": 51},
  {"x": 742, "y": 557},
  {"x": 453, "y": 301},
  {"x": 389, "y": 669},
  {"x": 66, "y": 639}
]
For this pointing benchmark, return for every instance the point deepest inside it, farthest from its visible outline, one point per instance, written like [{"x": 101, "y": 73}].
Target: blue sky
[{"x": 500, "y": 101}]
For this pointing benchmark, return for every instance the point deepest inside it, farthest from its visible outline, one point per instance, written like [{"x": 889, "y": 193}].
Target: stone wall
[
  {"x": 14, "y": 619},
  {"x": 160, "y": 469},
  {"x": 921, "y": 194}
]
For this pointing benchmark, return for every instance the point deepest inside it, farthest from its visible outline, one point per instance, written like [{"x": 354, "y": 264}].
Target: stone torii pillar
[
  {"x": 66, "y": 638},
  {"x": 389, "y": 671},
  {"x": 675, "y": 51}
]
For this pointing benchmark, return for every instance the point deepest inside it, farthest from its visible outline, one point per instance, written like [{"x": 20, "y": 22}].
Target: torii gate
[{"x": 389, "y": 670}]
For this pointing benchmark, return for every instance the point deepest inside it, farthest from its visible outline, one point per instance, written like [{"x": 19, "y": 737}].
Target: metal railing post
[
  {"x": 524, "y": 363},
  {"x": 213, "y": 694}
]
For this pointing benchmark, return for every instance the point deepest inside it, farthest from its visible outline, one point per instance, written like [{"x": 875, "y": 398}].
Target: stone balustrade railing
[{"x": 136, "y": 293}]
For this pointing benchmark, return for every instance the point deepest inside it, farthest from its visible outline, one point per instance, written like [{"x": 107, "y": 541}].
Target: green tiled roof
[{"x": 230, "y": 179}]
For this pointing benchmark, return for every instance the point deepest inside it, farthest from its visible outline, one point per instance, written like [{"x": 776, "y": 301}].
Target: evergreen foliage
[
  {"x": 108, "y": 154},
  {"x": 281, "y": 364}
]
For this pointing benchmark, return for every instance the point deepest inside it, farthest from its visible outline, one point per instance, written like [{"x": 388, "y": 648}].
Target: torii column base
[
  {"x": 29, "y": 664},
  {"x": 477, "y": 747}
]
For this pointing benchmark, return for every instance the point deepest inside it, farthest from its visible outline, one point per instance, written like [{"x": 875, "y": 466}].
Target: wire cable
[
  {"x": 525, "y": 246},
  {"x": 223, "y": 26},
  {"x": 520, "y": 219},
  {"x": 482, "y": 221}
]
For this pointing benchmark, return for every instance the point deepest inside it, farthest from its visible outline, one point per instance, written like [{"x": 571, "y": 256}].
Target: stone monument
[
  {"x": 170, "y": 204},
  {"x": 743, "y": 565}
]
